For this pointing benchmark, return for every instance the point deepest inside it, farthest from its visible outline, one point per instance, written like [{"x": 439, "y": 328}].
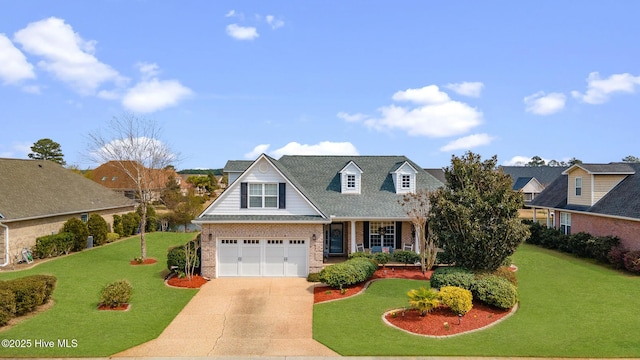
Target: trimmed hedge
[
  {"x": 352, "y": 271},
  {"x": 28, "y": 293},
  {"x": 80, "y": 230},
  {"x": 496, "y": 291},
  {"x": 631, "y": 261},
  {"x": 452, "y": 276},
  {"x": 116, "y": 293},
  {"x": 53, "y": 245},
  {"x": 406, "y": 257},
  {"x": 457, "y": 299},
  {"x": 7, "y": 306},
  {"x": 98, "y": 228}
]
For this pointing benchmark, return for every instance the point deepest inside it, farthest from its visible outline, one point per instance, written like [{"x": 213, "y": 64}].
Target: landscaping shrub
[
  {"x": 49, "y": 282},
  {"x": 177, "y": 257},
  {"x": 577, "y": 244},
  {"x": 599, "y": 247},
  {"x": 7, "y": 306},
  {"x": 53, "y": 245},
  {"x": 350, "y": 272},
  {"x": 382, "y": 258},
  {"x": 423, "y": 299},
  {"x": 360, "y": 255},
  {"x": 130, "y": 223},
  {"x": 616, "y": 256},
  {"x": 632, "y": 261},
  {"x": 98, "y": 228},
  {"x": 152, "y": 218},
  {"x": 505, "y": 273},
  {"x": 549, "y": 238},
  {"x": 457, "y": 299},
  {"x": 495, "y": 291},
  {"x": 452, "y": 276},
  {"x": 313, "y": 277},
  {"x": 115, "y": 294},
  {"x": 29, "y": 292},
  {"x": 117, "y": 225},
  {"x": 79, "y": 230},
  {"x": 111, "y": 237},
  {"x": 406, "y": 257}
]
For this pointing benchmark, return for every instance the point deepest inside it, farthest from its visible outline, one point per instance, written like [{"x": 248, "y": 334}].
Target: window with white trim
[
  {"x": 578, "y": 186},
  {"x": 406, "y": 181},
  {"x": 382, "y": 233},
  {"x": 565, "y": 223},
  {"x": 263, "y": 195},
  {"x": 351, "y": 181}
]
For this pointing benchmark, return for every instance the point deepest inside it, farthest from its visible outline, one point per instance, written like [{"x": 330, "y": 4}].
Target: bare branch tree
[
  {"x": 417, "y": 206},
  {"x": 132, "y": 144}
]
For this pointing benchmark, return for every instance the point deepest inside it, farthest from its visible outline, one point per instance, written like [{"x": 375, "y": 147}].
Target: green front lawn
[
  {"x": 74, "y": 318},
  {"x": 568, "y": 308}
]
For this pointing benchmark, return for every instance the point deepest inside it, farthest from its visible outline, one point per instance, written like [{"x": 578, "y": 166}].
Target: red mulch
[
  {"x": 433, "y": 323},
  {"x": 123, "y": 307},
  {"x": 325, "y": 293},
  {"x": 195, "y": 283},
  {"x": 146, "y": 261}
]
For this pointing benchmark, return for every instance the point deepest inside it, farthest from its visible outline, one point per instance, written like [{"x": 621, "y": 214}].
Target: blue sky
[{"x": 230, "y": 80}]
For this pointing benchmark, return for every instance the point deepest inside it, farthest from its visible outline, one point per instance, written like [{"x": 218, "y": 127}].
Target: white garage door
[{"x": 279, "y": 257}]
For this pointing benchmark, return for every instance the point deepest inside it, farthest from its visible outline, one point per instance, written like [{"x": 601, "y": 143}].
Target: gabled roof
[
  {"x": 112, "y": 175},
  {"x": 319, "y": 177},
  {"x": 40, "y": 188},
  {"x": 237, "y": 165},
  {"x": 603, "y": 169},
  {"x": 621, "y": 201},
  {"x": 544, "y": 174},
  {"x": 521, "y": 182}
]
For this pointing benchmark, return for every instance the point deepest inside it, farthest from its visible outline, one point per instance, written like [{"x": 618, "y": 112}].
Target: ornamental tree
[{"x": 475, "y": 217}]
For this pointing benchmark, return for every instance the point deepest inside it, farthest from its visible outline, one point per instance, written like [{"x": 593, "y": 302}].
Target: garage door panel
[
  {"x": 274, "y": 257},
  {"x": 228, "y": 264},
  {"x": 251, "y": 258},
  {"x": 296, "y": 264}
]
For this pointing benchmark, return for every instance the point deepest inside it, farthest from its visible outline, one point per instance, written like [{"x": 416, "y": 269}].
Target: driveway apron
[{"x": 241, "y": 317}]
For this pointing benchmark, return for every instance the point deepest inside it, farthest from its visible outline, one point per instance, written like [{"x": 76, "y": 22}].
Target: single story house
[
  {"x": 38, "y": 196},
  {"x": 600, "y": 199},
  {"x": 285, "y": 217},
  {"x": 531, "y": 180}
]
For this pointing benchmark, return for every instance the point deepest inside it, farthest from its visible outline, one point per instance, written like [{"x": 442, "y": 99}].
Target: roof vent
[
  {"x": 39, "y": 165},
  {"x": 1, "y": 216}
]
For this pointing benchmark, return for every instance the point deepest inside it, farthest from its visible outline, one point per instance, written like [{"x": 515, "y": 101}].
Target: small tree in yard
[
  {"x": 476, "y": 216},
  {"x": 98, "y": 228},
  {"x": 417, "y": 206}
]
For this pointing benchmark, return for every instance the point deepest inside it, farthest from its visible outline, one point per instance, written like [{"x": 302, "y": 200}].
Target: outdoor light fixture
[
  {"x": 313, "y": 237},
  {"x": 210, "y": 236},
  {"x": 459, "y": 319}
]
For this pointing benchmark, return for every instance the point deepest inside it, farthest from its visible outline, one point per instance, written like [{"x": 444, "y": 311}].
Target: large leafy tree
[
  {"x": 134, "y": 145},
  {"x": 47, "y": 149},
  {"x": 475, "y": 217}
]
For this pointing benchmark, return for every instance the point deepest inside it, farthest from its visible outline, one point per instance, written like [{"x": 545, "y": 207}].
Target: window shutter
[
  {"x": 365, "y": 241},
  {"x": 243, "y": 195},
  {"x": 282, "y": 196},
  {"x": 398, "y": 234}
]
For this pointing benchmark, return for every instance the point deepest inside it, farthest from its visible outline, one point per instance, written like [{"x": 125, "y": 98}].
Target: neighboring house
[
  {"x": 38, "y": 196},
  {"x": 531, "y": 180},
  {"x": 600, "y": 199},
  {"x": 113, "y": 176},
  {"x": 284, "y": 217}
]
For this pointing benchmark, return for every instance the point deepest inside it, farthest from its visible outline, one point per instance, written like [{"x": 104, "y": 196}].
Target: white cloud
[
  {"x": 258, "y": 150},
  {"x": 468, "y": 142},
  {"x": 242, "y": 32},
  {"x": 295, "y": 148},
  {"x": 427, "y": 95},
  {"x": 273, "y": 22},
  {"x": 351, "y": 117},
  {"x": 31, "y": 89},
  {"x": 66, "y": 55},
  {"x": 521, "y": 161},
  {"x": 153, "y": 95},
  {"x": 148, "y": 70},
  {"x": 599, "y": 90},
  {"x": 471, "y": 89},
  {"x": 17, "y": 150},
  {"x": 545, "y": 104},
  {"x": 435, "y": 114},
  {"x": 231, "y": 13},
  {"x": 14, "y": 66}
]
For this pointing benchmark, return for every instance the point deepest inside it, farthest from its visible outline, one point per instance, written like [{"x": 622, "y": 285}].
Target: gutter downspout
[{"x": 6, "y": 244}]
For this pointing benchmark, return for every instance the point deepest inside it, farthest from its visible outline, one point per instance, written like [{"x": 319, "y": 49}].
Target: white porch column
[
  {"x": 535, "y": 212},
  {"x": 416, "y": 241},
  {"x": 353, "y": 236}
]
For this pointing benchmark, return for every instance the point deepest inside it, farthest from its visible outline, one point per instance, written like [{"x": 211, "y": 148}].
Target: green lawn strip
[
  {"x": 75, "y": 316},
  {"x": 568, "y": 308}
]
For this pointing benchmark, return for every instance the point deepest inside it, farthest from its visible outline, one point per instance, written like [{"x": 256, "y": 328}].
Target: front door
[{"x": 336, "y": 240}]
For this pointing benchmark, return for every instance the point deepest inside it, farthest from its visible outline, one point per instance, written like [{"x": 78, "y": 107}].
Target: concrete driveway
[{"x": 241, "y": 317}]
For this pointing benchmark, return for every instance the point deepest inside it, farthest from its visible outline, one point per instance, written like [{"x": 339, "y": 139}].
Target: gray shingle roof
[
  {"x": 319, "y": 179},
  {"x": 544, "y": 174},
  {"x": 623, "y": 200},
  {"x": 237, "y": 165},
  {"x": 261, "y": 218},
  {"x": 41, "y": 188},
  {"x": 611, "y": 168}
]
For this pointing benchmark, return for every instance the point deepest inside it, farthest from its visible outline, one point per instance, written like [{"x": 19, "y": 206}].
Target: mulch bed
[
  {"x": 195, "y": 283},
  {"x": 433, "y": 324},
  {"x": 147, "y": 261},
  {"x": 123, "y": 307}
]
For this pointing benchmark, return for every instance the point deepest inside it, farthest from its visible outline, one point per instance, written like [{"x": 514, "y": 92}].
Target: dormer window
[
  {"x": 263, "y": 195},
  {"x": 350, "y": 179},
  {"x": 404, "y": 178},
  {"x": 578, "y": 186}
]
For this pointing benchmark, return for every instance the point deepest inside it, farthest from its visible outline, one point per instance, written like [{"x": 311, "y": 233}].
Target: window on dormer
[
  {"x": 406, "y": 181},
  {"x": 578, "y": 186},
  {"x": 351, "y": 181},
  {"x": 263, "y": 195}
]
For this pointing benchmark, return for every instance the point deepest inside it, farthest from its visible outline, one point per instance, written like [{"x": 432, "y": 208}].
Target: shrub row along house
[
  {"x": 599, "y": 199},
  {"x": 284, "y": 217},
  {"x": 38, "y": 196}
]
